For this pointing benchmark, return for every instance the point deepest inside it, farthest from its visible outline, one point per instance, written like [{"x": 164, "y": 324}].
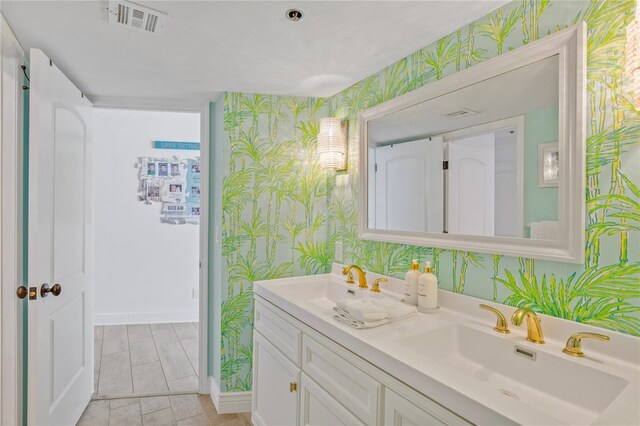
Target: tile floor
[
  {"x": 143, "y": 359},
  {"x": 191, "y": 409}
]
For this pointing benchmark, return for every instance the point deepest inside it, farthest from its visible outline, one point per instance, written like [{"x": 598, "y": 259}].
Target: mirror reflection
[{"x": 480, "y": 161}]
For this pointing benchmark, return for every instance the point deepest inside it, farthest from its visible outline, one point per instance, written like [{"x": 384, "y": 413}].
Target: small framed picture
[
  {"x": 151, "y": 169},
  {"x": 175, "y": 169},
  {"x": 548, "y": 165},
  {"x": 195, "y": 168},
  {"x": 195, "y": 190},
  {"x": 195, "y": 211},
  {"x": 175, "y": 187},
  {"x": 163, "y": 169}
]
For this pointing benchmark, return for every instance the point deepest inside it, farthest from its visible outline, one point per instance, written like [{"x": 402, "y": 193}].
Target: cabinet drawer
[
  {"x": 344, "y": 381},
  {"x": 278, "y": 331},
  {"x": 317, "y": 407},
  {"x": 400, "y": 411}
]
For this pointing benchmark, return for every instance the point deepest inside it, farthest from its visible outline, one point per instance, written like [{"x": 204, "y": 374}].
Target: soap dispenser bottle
[
  {"x": 427, "y": 290},
  {"x": 411, "y": 283}
]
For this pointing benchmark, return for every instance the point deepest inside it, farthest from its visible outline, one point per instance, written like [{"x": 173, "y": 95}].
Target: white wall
[{"x": 145, "y": 271}]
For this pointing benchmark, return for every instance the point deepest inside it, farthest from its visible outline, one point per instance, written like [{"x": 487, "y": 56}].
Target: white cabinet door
[
  {"x": 275, "y": 382},
  {"x": 60, "y": 326},
  {"x": 319, "y": 408}
]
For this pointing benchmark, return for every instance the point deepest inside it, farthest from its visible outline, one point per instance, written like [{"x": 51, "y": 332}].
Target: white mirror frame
[{"x": 570, "y": 46}]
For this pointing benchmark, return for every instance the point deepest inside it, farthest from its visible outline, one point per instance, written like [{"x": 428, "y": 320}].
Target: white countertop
[{"x": 466, "y": 396}]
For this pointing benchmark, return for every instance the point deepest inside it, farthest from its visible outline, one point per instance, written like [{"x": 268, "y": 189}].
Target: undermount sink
[
  {"x": 322, "y": 293},
  {"x": 564, "y": 389}
]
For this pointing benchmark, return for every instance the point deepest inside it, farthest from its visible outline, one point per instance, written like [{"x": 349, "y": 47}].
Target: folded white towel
[
  {"x": 544, "y": 230},
  {"x": 371, "y": 311},
  {"x": 549, "y": 230},
  {"x": 346, "y": 318},
  {"x": 396, "y": 310},
  {"x": 362, "y": 309},
  {"x": 534, "y": 230}
]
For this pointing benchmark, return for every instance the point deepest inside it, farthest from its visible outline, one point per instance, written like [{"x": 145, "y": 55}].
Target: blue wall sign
[{"x": 191, "y": 146}]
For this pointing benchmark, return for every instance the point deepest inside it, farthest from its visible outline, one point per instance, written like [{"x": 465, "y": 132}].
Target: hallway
[{"x": 143, "y": 359}]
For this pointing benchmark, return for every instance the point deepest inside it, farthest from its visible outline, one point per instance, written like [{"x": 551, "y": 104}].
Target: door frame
[
  {"x": 203, "y": 287},
  {"x": 11, "y": 245},
  {"x": 11, "y": 220}
]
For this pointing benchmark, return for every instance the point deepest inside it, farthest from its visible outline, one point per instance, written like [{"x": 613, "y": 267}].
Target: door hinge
[
  {"x": 445, "y": 165},
  {"x": 293, "y": 386},
  {"x": 376, "y": 167}
]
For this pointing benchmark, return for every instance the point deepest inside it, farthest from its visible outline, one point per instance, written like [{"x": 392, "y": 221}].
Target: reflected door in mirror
[{"x": 409, "y": 186}]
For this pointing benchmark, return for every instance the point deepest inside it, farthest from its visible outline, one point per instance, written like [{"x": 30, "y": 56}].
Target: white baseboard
[
  {"x": 229, "y": 402},
  {"x": 145, "y": 318}
]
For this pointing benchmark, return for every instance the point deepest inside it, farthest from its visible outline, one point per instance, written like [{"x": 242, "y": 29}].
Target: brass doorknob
[
  {"x": 55, "y": 290},
  {"x": 22, "y": 292}
]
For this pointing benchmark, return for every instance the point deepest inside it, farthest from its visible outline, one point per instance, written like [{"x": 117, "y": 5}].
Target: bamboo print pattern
[
  {"x": 274, "y": 196},
  {"x": 282, "y": 215}
]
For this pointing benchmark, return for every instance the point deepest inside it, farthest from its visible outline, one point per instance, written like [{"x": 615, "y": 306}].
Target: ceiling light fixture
[
  {"x": 332, "y": 144},
  {"x": 294, "y": 15}
]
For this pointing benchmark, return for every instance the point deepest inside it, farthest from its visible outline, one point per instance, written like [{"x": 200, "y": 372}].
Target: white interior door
[
  {"x": 60, "y": 332},
  {"x": 409, "y": 186},
  {"x": 471, "y": 177}
]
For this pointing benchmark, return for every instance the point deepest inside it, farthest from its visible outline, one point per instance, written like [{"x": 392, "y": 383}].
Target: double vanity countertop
[{"x": 455, "y": 357}]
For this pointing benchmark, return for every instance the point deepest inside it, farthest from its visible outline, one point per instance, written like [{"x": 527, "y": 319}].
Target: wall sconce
[{"x": 332, "y": 144}]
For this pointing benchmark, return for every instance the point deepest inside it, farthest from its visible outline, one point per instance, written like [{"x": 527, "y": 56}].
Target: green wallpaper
[
  {"x": 281, "y": 215},
  {"x": 274, "y": 211}
]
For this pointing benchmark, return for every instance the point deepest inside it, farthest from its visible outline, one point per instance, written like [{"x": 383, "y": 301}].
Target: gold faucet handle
[
  {"x": 502, "y": 326},
  {"x": 350, "y": 279},
  {"x": 376, "y": 284},
  {"x": 574, "y": 344}
]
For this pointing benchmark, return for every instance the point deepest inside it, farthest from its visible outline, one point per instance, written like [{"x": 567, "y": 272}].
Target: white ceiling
[
  {"x": 247, "y": 46},
  {"x": 525, "y": 89}
]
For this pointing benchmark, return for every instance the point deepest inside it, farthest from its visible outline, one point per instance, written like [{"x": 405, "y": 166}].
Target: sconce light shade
[{"x": 332, "y": 144}]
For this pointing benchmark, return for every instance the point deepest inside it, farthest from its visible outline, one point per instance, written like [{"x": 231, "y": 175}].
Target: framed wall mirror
[{"x": 490, "y": 159}]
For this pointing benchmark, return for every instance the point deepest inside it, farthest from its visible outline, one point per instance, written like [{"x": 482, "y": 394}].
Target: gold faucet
[
  {"x": 534, "y": 330},
  {"x": 574, "y": 344},
  {"x": 376, "y": 284},
  {"x": 362, "y": 276},
  {"x": 501, "y": 323}
]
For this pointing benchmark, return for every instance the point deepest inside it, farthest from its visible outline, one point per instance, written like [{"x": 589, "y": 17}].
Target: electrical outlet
[
  {"x": 217, "y": 234},
  {"x": 195, "y": 293},
  {"x": 338, "y": 251}
]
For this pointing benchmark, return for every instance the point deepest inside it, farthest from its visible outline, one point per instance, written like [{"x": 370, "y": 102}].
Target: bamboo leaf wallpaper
[{"x": 282, "y": 214}]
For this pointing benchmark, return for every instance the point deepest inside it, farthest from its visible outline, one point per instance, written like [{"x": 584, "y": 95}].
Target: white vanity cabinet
[{"x": 301, "y": 377}]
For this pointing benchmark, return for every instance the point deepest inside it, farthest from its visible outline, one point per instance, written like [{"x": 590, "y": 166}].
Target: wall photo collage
[{"x": 173, "y": 182}]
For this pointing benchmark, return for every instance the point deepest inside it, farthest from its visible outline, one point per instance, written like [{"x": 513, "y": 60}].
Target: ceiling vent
[
  {"x": 461, "y": 113},
  {"x": 136, "y": 16}
]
